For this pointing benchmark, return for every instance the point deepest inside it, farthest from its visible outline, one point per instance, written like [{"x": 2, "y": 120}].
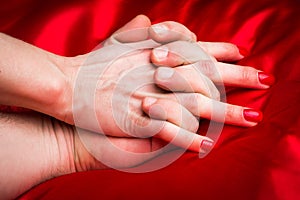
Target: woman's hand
[
  {"x": 122, "y": 81},
  {"x": 112, "y": 105},
  {"x": 186, "y": 55},
  {"x": 195, "y": 77}
]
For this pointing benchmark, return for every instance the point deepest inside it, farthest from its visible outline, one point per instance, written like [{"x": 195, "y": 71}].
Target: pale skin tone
[{"x": 47, "y": 145}]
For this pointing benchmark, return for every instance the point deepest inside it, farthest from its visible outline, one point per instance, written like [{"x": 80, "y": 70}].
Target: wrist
[
  {"x": 35, "y": 79},
  {"x": 83, "y": 159},
  {"x": 69, "y": 66}
]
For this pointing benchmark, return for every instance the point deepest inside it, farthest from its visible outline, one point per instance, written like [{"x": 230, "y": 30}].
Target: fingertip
[
  {"x": 160, "y": 33},
  {"x": 160, "y": 54},
  {"x": 266, "y": 79},
  {"x": 143, "y": 18},
  {"x": 163, "y": 56},
  {"x": 159, "y": 29},
  {"x": 252, "y": 116},
  {"x": 206, "y": 145},
  {"x": 170, "y": 31},
  {"x": 148, "y": 102},
  {"x": 163, "y": 73},
  {"x": 194, "y": 37},
  {"x": 243, "y": 52},
  {"x": 235, "y": 52},
  {"x": 152, "y": 109}
]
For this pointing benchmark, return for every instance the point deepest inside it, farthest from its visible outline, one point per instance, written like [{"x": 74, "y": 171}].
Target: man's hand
[{"x": 36, "y": 147}]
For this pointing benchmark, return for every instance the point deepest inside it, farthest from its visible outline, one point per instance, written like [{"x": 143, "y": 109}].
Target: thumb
[
  {"x": 140, "y": 21},
  {"x": 134, "y": 31}
]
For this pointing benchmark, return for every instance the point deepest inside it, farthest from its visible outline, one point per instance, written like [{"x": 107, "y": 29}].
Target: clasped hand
[
  {"x": 124, "y": 89},
  {"x": 144, "y": 87}
]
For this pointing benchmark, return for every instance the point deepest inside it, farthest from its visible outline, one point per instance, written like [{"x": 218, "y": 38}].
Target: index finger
[
  {"x": 140, "y": 29},
  {"x": 171, "y": 31}
]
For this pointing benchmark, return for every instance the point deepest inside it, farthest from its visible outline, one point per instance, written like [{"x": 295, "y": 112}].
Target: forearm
[
  {"x": 31, "y": 78},
  {"x": 33, "y": 149}
]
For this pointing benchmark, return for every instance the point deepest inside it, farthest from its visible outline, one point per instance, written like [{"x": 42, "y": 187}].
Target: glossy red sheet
[{"x": 262, "y": 162}]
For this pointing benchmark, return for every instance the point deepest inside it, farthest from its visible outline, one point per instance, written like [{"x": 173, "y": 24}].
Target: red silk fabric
[{"x": 262, "y": 162}]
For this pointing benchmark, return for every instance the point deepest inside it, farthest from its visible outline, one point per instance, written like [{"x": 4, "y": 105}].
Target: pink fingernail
[{"x": 206, "y": 146}]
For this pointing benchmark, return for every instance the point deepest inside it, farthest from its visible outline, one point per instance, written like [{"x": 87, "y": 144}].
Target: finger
[
  {"x": 134, "y": 31},
  {"x": 180, "y": 137},
  {"x": 140, "y": 29},
  {"x": 222, "y": 51},
  {"x": 171, "y": 111},
  {"x": 185, "y": 139},
  {"x": 202, "y": 106},
  {"x": 241, "y": 76},
  {"x": 231, "y": 75},
  {"x": 178, "y": 53},
  {"x": 170, "y": 31},
  {"x": 175, "y": 131},
  {"x": 220, "y": 73},
  {"x": 185, "y": 79},
  {"x": 96, "y": 150}
]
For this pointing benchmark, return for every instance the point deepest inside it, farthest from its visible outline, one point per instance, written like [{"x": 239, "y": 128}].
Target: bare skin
[{"x": 47, "y": 145}]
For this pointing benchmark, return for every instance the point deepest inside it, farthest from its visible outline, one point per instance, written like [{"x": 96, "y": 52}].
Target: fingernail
[
  {"x": 148, "y": 101},
  {"x": 206, "y": 146},
  {"x": 253, "y": 115},
  {"x": 164, "y": 73},
  {"x": 266, "y": 79},
  {"x": 243, "y": 51},
  {"x": 160, "y": 29},
  {"x": 161, "y": 53}
]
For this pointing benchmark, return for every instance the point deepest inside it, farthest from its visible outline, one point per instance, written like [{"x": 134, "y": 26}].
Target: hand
[
  {"x": 163, "y": 108},
  {"x": 58, "y": 76},
  {"x": 203, "y": 74},
  {"x": 113, "y": 95},
  {"x": 195, "y": 77},
  {"x": 35, "y": 148},
  {"x": 44, "y": 82}
]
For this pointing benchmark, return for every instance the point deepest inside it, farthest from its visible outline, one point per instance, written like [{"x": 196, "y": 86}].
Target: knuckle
[
  {"x": 216, "y": 95},
  {"x": 245, "y": 74},
  {"x": 194, "y": 126},
  {"x": 193, "y": 103},
  {"x": 135, "y": 125},
  {"x": 231, "y": 113},
  {"x": 141, "y": 121},
  {"x": 229, "y": 47},
  {"x": 211, "y": 90},
  {"x": 147, "y": 127},
  {"x": 206, "y": 67}
]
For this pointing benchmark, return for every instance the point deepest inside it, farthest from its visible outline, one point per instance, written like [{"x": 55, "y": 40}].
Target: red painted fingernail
[
  {"x": 206, "y": 146},
  {"x": 244, "y": 52},
  {"x": 266, "y": 79},
  {"x": 253, "y": 115}
]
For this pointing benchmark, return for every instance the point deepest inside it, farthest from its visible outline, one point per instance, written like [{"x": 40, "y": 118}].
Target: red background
[{"x": 262, "y": 162}]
